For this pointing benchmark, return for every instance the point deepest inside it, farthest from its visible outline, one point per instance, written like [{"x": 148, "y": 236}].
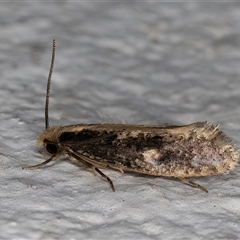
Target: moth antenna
[{"x": 49, "y": 84}]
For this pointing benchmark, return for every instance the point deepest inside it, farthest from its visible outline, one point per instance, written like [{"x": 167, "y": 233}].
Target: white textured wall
[{"x": 139, "y": 63}]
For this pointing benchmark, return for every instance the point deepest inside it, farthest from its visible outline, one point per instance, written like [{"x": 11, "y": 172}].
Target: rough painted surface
[{"x": 115, "y": 62}]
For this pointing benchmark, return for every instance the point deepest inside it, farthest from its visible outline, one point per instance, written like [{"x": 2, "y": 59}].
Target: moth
[{"x": 181, "y": 152}]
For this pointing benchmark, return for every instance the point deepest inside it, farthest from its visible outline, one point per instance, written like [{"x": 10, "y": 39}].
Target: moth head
[{"x": 49, "y": 139}]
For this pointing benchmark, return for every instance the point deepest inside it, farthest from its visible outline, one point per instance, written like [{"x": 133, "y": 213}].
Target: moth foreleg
[
  {"x": 193, "y": 184},
  {"x": 105, "y": 176},
  {"x": 44, "y": 153},
  {"x": 52, "y": 158}
]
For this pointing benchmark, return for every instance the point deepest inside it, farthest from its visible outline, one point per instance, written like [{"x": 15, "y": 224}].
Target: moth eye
[{"x": 51, "y": 148}]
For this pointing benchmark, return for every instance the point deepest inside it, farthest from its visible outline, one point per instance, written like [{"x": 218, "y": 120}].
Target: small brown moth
[{"x": 180, "y": 152}]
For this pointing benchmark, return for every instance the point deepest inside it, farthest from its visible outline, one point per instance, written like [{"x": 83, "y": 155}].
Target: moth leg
[
  {"x": 44, "y": 153},
  {"x": 193, "y": 184},
  {"x": 120, "y": 168},
  {"x": 105, "y": 176},
  {"x": 94, "y": 171},
  {"x": 78, "y": 161},
  {"x": 78, "y": 158},
  {"x": 52, "y": 158}
]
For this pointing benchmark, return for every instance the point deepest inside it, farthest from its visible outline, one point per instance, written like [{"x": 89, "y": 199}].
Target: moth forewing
[{"x": 194, "y": 150}]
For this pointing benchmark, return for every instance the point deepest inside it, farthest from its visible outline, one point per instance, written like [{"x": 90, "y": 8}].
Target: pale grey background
[{"x": 120, "y": 62}]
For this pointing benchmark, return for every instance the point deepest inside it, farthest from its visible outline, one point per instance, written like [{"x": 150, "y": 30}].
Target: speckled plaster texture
[{"x": 116, "y": 62}]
